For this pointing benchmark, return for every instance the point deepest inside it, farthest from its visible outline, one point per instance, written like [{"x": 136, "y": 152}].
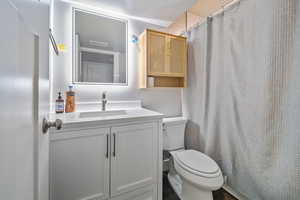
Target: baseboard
[{"x": 231, "y": 191}]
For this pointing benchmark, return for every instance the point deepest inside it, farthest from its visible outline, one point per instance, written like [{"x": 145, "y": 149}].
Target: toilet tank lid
[{"x": 174, "y": 120}]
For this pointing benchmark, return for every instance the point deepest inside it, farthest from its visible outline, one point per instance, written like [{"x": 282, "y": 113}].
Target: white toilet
[{"x": 193, "y": 175}]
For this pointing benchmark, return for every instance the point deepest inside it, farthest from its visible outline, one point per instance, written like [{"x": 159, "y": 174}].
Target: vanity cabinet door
[
  {"x": 146, "y": 193},
  {"x": 134, "y": 157},
  {"x": 80, "y": 165}
]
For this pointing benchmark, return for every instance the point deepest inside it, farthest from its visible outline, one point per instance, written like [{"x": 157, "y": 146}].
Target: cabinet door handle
[
  {"x": 107, "y": 145},
  {"x": 114, "y": 151}
]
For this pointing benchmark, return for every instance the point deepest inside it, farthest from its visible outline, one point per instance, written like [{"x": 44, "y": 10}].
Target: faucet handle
[{"x": 104, "y": 95}]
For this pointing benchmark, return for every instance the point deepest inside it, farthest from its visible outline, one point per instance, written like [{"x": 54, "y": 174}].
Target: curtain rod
[
  {"x": 204, "y": 20},
  {"x": 226, "y": 7}
]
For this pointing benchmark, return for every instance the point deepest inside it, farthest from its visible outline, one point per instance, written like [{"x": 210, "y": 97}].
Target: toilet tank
[{"x": 173, "y": 133}]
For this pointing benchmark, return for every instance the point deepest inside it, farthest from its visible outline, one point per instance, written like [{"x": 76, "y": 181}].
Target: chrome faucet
[{"x": 104, "y": 101}]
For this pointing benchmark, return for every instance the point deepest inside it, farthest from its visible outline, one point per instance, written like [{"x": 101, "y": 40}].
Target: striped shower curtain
[{"x": 243, "y": 96}]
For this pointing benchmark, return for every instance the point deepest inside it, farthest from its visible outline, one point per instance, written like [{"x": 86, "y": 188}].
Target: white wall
[{"x": 166, "y": 101}]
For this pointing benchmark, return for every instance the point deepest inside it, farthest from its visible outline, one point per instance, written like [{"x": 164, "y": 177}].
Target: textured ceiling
[{"x": 166, "y": 10}]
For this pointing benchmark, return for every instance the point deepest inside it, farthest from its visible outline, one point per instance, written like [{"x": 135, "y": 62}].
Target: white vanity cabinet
[
  {"x": 134, "y": 157},
  {"x": 114, "y": 160},
  {"x": 79, "y": 166}
]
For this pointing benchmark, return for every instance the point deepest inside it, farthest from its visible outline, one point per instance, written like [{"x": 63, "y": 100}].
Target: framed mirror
[{"x": 99, "y": 49}]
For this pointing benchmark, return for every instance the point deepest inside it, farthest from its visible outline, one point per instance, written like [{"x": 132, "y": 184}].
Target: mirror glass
[{"x": 100, "y": 49}]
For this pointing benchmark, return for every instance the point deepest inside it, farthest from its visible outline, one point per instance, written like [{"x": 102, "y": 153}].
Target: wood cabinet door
[
  {"x": 134, "y": 157},
  {"x": 79, "y": 165},
  {"x": 177, "y": 55},
  {"x": 156, "y": 45}
]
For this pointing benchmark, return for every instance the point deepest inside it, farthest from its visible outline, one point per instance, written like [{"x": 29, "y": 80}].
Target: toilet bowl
[
  {"x": 193, "y": 175},
  {"x": 200, "y": 174}
]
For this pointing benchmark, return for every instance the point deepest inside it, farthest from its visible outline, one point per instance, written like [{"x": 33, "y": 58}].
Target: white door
[
  {"x": 80, "y": 165},
  {"x": 133, "y": 157},
  {"x": 24, "y": 101}
]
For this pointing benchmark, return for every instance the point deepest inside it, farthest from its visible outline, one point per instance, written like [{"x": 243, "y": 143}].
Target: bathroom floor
[{"x": 169, "y": 194}]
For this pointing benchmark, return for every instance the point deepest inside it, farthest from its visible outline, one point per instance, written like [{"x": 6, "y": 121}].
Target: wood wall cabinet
[{"x": 162, "y": 59}]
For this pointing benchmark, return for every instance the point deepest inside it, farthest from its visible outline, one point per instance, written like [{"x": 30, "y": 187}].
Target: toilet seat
[
  {"x": 197, "y": 163},
  {"x": 198, "y": 169}
]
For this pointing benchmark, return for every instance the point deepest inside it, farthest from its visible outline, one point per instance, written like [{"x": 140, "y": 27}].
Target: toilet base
[
  {"x": 191, "y": 192},
  {"x": 176, "y": 184}
]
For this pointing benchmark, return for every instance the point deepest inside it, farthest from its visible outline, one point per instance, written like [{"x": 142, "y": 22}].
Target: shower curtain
[{"x": 243, "y": 96}]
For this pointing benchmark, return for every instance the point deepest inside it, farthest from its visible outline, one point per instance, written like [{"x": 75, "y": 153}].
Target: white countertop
[{"x": 130, "y": 114}]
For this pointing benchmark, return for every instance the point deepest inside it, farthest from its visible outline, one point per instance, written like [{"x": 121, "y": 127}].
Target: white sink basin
[{"x": 102, "y": 114}]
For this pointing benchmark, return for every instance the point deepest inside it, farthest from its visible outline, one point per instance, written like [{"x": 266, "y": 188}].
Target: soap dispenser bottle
[
  {"x": 59, "y": 104},
  {"x": 70, "y": 100}
]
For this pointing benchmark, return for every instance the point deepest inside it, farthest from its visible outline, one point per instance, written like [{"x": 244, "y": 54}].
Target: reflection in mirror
[{"x": 100, "y": 49}]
